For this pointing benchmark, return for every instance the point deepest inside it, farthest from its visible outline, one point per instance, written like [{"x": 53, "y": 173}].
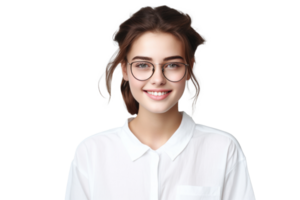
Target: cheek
[
  {"x": 135, "y": 87},
  {"x": 180, "y": 87},
  {"x": 179, "y": 95}
]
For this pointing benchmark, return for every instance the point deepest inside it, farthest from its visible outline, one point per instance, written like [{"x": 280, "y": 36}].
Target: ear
[
  {"x": 124, "y": 70},
  {"x": 191, "y": 66}
]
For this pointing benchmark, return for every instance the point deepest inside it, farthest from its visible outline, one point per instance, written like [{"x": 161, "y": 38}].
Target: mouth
[
  {"x": 157, "y": 96},
  {"x": 150, "y": 91}
]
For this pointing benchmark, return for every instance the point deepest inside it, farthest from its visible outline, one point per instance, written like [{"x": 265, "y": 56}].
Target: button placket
[{"x": 154, "y": 176}]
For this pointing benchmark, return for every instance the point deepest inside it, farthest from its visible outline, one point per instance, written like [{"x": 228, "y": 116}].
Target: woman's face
[{"x": 155, "y": 48}]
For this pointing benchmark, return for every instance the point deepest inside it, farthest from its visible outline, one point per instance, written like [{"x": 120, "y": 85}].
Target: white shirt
[{"x": 196, "y": 163}]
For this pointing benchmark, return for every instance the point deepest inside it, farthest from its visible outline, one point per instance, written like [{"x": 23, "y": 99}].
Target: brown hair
[{"x": 162, "y": 19}]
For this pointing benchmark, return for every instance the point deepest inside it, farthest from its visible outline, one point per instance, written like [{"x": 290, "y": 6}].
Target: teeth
[{"x": 157, "y": 93}]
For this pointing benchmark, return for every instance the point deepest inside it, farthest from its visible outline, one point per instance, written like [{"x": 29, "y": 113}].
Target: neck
[{"x": 154, "y": 129}]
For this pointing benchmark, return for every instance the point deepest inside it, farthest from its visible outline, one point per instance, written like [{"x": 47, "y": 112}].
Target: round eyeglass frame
[{"x": 153, "y": 70}]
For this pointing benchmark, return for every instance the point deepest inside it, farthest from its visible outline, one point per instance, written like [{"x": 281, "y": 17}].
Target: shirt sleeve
[
  {"x": 78, "y": 187},
  {"x": 237, "y": 183}
]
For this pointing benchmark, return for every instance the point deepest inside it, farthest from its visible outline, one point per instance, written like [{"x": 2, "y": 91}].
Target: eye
[
  {"x": 141, "y": 65},
  {"x": 172, "y": 65}
]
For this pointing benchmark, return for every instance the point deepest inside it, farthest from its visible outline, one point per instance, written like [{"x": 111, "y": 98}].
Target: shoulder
[
  {"x": 218, "y": 140},
  {"x": 98, "y": 140},
  {"x": 217, "y": 134}
]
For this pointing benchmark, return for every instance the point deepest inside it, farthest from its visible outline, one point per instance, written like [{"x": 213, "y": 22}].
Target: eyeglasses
[{"x": 172, "y": 71}]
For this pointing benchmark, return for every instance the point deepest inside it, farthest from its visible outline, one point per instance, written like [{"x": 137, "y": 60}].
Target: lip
[
  {"x": 158, "y": 97},
  {"x": 158, "y": 90}
]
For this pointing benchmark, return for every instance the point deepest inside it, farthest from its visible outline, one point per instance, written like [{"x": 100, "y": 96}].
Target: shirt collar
[{"x": 173, "y": 147}]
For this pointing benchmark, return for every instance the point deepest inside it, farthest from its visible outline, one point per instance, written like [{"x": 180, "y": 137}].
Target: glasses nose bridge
[
  {"x": 158, "y": 65},
  {"x": 154, "y": 68}
]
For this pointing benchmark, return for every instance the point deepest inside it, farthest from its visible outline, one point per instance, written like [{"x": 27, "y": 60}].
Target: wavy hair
[{"x": 158, "y": 19}]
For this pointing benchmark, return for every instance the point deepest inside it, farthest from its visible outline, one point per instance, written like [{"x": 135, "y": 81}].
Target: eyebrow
[{"x": 165, "y": 59}]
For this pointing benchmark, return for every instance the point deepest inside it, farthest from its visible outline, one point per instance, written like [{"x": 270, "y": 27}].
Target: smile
[{"x": 157, "y": 95}]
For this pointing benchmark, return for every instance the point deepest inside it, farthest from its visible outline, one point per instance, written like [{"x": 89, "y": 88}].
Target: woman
[{"x": 161, "y": 154}]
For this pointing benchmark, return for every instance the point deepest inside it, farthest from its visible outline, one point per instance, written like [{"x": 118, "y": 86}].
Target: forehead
[{"x": 156, "y": 45}]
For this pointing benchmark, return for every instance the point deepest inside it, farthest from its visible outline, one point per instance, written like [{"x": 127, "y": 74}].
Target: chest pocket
[{"x": 191, "y": 192}]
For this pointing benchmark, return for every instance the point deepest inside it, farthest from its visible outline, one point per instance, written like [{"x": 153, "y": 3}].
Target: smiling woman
[{"x": 161, "y": 154}]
